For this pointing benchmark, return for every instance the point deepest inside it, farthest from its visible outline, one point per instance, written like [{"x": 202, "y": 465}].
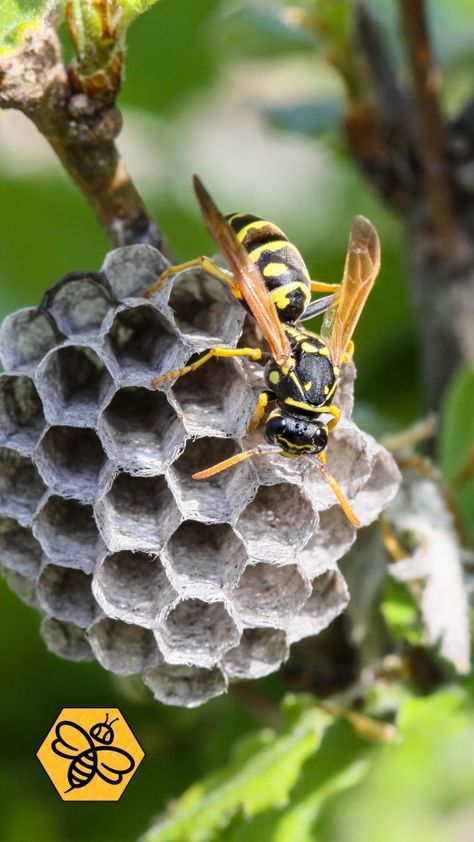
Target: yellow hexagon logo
[{"x": 90, "y": 754}]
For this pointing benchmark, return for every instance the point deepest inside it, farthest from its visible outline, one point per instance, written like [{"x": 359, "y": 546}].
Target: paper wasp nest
[{"x": 191, "y": 584}]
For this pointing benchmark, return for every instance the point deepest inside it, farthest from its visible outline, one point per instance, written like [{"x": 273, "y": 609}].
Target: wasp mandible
[{"x": 268, "y": 275}]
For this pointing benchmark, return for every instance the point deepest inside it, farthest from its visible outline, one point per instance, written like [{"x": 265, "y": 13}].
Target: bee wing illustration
[
  {"x": 360, "y": 271},
  {"x": 113, "y": 763},
  {"x": 246, "y": 275},
  {"x": 71, "y": 739}
]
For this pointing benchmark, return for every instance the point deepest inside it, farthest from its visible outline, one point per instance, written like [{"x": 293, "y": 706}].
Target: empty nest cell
[
  {"x": 133, "y": 587},
  {"x": 185, "y": 686},
  {"x": 22, "y": 586},
  {"x": 131, "y": 270},
  {"x": 70, "y": 460},
  {"x": 67, "y": 532},
  {"x": 78, "y": 303},
  {"x": 329, "y": 597},
  {"x": 268, "y": 595},
  {"x": 259, "y": 653},
  {"x": 218, "y": 499},
  {"x": 204, "y": 309},
  {"x": 144, "y": 345},
  {"x": 197, "y": 633},
  {"x": 21, "y": 413},
  {"x": 140, "y": 431},
  {"x": 66, "y": 640},
  {"x": 321, "y": 553},
  {"x": 277, "y": 523},
  {"x": 21, "y": 487},
  {"x": 73, "y": 383},
  {"x": 124, "y": 648},
  {"x": 138, "y": 513},
  {"x": 66, "y": 595},
  {"x": 19, "y": 550},
  {"x": 215, "y": 399},
  {"x": 25, "y": 337},
  {"x": 200, "y": 554}
]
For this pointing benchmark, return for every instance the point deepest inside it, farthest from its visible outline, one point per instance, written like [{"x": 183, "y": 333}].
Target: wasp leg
[
  {"x": 336, "y": 413},
  {"x": 264, "y": 399},
  {"x": 320, "y": 286},
  {"x": 349, "y": 353},
  {"x": 320, "y": 305},
  {"x": 253, "y": 353},
  {"x": 204, "y": 263}
]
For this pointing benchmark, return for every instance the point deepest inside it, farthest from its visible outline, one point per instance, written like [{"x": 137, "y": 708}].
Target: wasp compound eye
[{"x": 275, "y": 427}]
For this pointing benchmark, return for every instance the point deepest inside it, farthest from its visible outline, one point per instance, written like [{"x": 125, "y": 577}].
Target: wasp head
[{"x": 295, "y": 434}]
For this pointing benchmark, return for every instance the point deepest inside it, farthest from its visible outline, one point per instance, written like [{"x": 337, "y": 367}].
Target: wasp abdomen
[{"x": 279, "y": 261}]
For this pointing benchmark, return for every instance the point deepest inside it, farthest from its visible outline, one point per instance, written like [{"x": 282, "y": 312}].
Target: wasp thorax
[{"x": 295, "y": 434}]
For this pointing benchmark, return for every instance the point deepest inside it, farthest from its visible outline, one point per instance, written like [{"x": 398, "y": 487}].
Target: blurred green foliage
[{"x": 186, "y": 61}]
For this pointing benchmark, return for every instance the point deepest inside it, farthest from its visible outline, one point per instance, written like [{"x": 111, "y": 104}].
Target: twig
[
  {"x": 81, "y": 129},
  {"x": 391, "y": 97},
  {"x": 378, "y": 132},
  {"x": 429, "y": 123}
]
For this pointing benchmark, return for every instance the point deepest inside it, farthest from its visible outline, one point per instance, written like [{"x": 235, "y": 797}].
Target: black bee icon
[{"x": 91, "y": 753}]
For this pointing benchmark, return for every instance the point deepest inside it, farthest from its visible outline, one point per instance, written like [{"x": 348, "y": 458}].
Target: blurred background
[{"x": 207, "y": 89}]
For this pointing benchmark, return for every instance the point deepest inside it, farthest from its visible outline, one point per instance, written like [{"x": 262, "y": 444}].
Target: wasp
[
  {"x": 91, "y": 753},
  {"x": 302, "y": 371}
]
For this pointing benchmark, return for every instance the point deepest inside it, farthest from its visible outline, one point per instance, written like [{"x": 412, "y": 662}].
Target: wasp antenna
[
  {"x": 349, "y": 513},
  {"x": 234, "y": 460}
]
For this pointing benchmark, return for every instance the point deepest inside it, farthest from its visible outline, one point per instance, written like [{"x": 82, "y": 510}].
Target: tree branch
[
  {"x": 81, "y": 129},
  {"x": 430, "y": 126}
]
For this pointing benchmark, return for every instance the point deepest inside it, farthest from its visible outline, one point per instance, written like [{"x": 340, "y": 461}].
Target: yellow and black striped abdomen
[{"x": 281, "y": 265}]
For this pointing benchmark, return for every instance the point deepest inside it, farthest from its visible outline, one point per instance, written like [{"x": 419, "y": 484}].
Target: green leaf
[
  {"x": 400, "y": 612},
  {"x": 457, "y": 424},
  {"x": 16, "y": 17},
  {"x": 456, "y": 443},
  {"x": 264, "y": 769},
  {"x": 97, "y": 31},
  {"x": 339, "y": 764},
  {"x": 420, "y": 788},
  {"x": 307, "y": 118}
]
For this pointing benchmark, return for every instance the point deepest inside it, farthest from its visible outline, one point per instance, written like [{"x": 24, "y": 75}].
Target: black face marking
[{"x": 295, "y": 434}]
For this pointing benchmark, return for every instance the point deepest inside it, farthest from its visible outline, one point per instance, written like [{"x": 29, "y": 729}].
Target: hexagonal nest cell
[
  {"x": 70, "y": 460},
  {"x": 215, "y": 399},
  {"x": 133, "y": 587},
  {"x": 21, "y": 487},
  {"x": 19, "y": 550},
  {"x": 141, "y": 431},
  {"x": 277, "y": 523},
  {"x": 218, "y": 555},
  {"x": 203, "y": 308},
  {"x": 143, "y": 343},
  {"x": 79, "y": 303},
  {"x": 73, "y": 383},
  {"x": 124, "y": 648},
  {"x": 138, "y": 513},
  {"x": 219, "y": 499},
  {"x": 67, "y": 533},
  {"x": 66, "y": 595},
  {"x": 25, "y": 337},
  {"x": 267, "y": 595},
  {"x": 197, "y": 633},
  {"x": 66, "y": 640},
  {"x": 185, "y": 686},
  {"x": 191, "y": 584},
  {"x": 21, "y": 413}
]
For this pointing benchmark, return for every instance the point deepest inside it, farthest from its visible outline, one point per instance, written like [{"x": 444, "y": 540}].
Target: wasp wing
[
  {"x": 246, "y": 275},
  {"x": 360, "y": 271},
  {"x": 71, "y": 739},
  {"x": 113, "y": 763}
]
